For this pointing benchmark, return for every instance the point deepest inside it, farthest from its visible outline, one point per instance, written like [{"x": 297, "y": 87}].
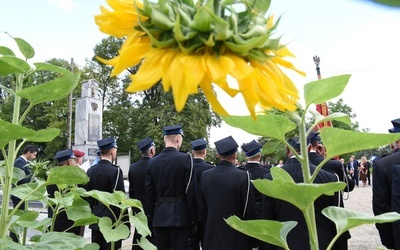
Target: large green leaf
[
  {"x": 323, "y": 90},
  {"x": 269, "y": 125},
  {"x": 273, "y": 232},
  {"x": 339, "y": 141},
  {"x": 140, "y": 223},
  {"x": 44, "y": 135},
  {"x": 341, "y": 117},
  {"x": 12, "y": 65},
  {"x": 9, "y": 244},
  {"x": 301, "y": 195},
  {"x": 6, "y": 51},
  {"x": 59, "y": 240},
  {"x": 41, "y": 225},
  {"x": 272, "y": 146},
  {"x": 67, "y": 175},
  {"x": 12, "y": 131},
  {"x": 25, "y": 48},
  {"x": 105, "y": 197},
  {"x": 113, "y": 233},
  {"x": 29, "y": 191},
  {"x": 80, "y": 209},
  {"x": 346, "y": 219},
  {"x": 146, "y": 244},
  {"x": 50, "y": 67},
  {"x": 52, "y": 90},
  {"x": 393, "y": 3}
]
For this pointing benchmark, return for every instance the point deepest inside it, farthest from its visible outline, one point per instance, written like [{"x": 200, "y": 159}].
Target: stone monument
[{"x": 88, "y": 120}]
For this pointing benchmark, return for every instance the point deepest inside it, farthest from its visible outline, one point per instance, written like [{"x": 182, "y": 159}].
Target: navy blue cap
[
  {"x": 106, "y": 144},
  {"x": 313, "y": 136},
  {"x": 252, "y": 148},
  {"x": 198, "y": 144},
  {"x": 173, "y": 130},
  {"x": 145, "y": 144},
  {"x": 396, "y": 126},
  {"x": 295, "y": 143},
  {"x": 226, "y": 146},
  {"x": 64, "y": 155}
]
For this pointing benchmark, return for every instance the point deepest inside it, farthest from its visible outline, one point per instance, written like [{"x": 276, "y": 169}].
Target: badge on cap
[
  {"x": 226, "y": 146},
  {"x": 106, "y": 144},
  {"x": 64, "y": 155},
  {"x": 145, "y": 144},
  {"x": 252, "y": 148},
  {"x": 173, "y": 130},
  {"x": 198, "y": 144}
]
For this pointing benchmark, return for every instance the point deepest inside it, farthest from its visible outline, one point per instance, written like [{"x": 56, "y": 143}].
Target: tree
[{"x": 341, "y": 107}]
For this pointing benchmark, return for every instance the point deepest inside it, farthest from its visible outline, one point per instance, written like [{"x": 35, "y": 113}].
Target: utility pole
[{"x": 69, "y": 124}]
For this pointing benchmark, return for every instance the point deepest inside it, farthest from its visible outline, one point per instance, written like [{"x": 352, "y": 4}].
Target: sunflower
[{"x": 190, "y": 46}]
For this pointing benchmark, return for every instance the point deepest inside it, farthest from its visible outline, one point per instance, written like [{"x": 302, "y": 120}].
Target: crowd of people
[{"x": 187, "y": 199}]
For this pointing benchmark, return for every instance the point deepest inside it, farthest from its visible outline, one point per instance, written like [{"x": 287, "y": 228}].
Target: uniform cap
[
  {"x": 313, "y": 136},
  {"x": 78, "y": 153},
  {"x": 226, "y": 146},
  {"x": 173, "y": 130},
  {"x": 106, "y": 144},
  {"x": 64, "y": 155},
  {"x": 145, "y": 143},
  {"x": 396, "y": 126},
  {"x": 198, "y": 144},
  {"x": 294, "y": 142},
  {"x": 252, "y": 148}
]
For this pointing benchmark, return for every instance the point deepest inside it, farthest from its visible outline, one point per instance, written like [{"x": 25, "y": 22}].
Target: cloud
[{"x": 66, "y": 5}]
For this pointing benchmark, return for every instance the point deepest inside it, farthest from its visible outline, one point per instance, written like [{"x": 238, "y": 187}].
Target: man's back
[
  {"x": 224, "y": 191},
  {"x": 279, "y": 210},
  {"x": 382, "y": 195},
  {"x": 170, "y": 189}
]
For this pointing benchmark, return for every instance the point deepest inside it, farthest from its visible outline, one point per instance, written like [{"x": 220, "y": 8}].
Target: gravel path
[{"x": 364, "y": 237}]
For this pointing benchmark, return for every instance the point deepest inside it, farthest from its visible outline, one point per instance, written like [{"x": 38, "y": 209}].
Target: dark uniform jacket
[
  {"x": 225, "y": 191},
  {"x": 257, "y": 171},
  {"x": 200, "y": 166},
  {"x": 137, "y": 179},
  {"x": 396, "y": 203},
  {"x": 336, "y": 167},
  {"x": 171, "y": 189},
  {"x": 106, "y": 177},
  {"x": 275, "y": 209},
  {"x": 20, "y": 163},
  {"x": 382, "y": 194}
]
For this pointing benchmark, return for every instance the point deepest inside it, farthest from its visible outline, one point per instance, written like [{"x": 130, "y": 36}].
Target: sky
[{"x": 354, "y": 37}]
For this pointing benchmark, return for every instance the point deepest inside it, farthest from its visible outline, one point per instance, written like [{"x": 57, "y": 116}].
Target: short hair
[
  {"x": 146, "y": 152},
  {"x": 29, "y": 148}
]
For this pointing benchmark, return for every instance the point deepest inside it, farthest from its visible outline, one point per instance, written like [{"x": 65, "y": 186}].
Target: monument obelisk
[{"x": 88, "y": 120}]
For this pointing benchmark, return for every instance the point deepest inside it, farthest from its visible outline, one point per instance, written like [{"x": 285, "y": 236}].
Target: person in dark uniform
[
  {"x": 171, "y": 193},
  {"x": 137, "y": 177},
  {"x": 396, "y": 204},
  {"x": 199, "y": 152},
  {"x": 275, "y": 209},
  {"x": 382, "y": 189},
  {"x": 252, "y": 150},
  {"x": 224, "y": 191},
  {"x": 62, "y": 223},
  {"x": 29, "y": 153},
  {"x": 333, "y": 166},
  {"x": 107, "y": 177}
]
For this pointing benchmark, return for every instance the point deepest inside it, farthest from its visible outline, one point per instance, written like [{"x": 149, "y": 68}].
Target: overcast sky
[{"x": 350, "y": 37}]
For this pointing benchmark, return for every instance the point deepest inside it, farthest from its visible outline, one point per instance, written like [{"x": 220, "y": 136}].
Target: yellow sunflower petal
[{"x": 211, "y": 97}]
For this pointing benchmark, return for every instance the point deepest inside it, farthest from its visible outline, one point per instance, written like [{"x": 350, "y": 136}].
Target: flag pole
[{"x": 322, "y": 108}]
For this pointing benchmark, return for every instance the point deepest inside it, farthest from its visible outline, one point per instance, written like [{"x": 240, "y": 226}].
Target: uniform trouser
[
  {"x": 171, "y": 238},
  {"x": 97, "y": 237},
  {"x": 198, "y": 239}
]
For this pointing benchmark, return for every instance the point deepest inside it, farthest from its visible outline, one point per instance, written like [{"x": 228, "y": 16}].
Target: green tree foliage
[{"x": 341, "y": 107}]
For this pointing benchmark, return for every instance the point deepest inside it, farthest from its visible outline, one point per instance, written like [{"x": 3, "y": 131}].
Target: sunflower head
[{"x": 191, "y": 45}]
